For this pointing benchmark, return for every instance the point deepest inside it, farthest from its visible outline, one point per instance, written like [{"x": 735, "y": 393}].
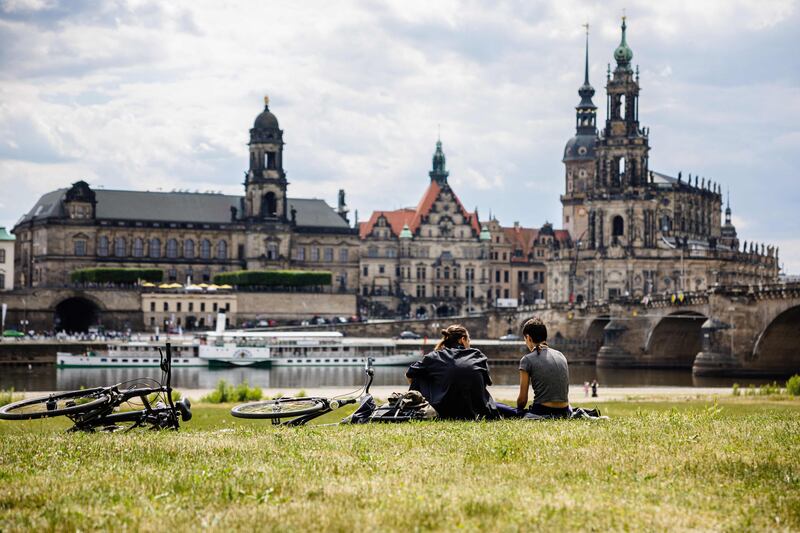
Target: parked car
[
  {"x": 510, "y": 337},
  {"x": 409, "y": 335}
]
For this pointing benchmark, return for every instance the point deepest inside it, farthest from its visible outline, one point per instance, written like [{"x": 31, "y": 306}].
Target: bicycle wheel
[
  {"x": 281, "y": 408},
  {"x": 59, "y": 404}
]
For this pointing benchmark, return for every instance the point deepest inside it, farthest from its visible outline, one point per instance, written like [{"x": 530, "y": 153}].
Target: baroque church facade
[
  {"x": 190, "y": 236},
  {"x": 637, "y": 231}
]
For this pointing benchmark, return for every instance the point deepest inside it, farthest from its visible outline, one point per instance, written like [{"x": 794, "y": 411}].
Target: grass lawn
[{"x": 679, "y": 465}]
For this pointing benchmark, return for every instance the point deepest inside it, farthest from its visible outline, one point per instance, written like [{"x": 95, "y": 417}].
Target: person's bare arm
[{"x": 522, "y": 399}]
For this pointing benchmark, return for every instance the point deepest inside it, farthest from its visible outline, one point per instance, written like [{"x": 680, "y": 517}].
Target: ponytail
[{"x": 451, "y": 337}]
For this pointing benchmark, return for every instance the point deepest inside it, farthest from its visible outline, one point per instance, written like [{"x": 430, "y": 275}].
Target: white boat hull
[
  {"x": 68, "y": 360},
  {"x": 334, "y": 360}
]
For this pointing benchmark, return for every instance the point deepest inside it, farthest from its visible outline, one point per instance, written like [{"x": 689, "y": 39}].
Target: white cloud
[{"x": 146, "y": 95}]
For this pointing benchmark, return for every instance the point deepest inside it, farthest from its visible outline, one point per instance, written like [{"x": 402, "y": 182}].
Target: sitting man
[
  {"x": 453, "y": 378},
  {"x": 547, "y": 372}
]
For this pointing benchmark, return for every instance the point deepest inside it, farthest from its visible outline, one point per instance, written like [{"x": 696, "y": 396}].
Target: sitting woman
[
  {"x": 547, "y": 372},
  {"x": 453, "y": 378}
]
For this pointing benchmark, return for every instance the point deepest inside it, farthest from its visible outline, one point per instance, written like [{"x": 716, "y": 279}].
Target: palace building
[
  {"x": 190, "y": 236},
  {"x": 634, "y": 230}
]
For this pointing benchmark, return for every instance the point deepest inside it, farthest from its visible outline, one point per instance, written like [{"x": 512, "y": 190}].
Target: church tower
[
  {"x": 579, "y": 157},
  {"x": 438, "y": 173},
  {"x": 265, "y": 184},
  {"x": 622, "y": 151}
]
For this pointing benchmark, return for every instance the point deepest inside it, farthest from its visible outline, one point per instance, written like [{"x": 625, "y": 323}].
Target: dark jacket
[{"x": 454, "y": 381}]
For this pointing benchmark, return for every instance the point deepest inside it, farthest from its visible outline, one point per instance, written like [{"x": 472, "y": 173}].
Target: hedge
[
  {"x": 116, "y": 275},
  {"x": 275, "y": 278}
]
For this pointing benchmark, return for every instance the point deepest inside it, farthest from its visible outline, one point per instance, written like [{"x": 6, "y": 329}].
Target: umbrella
[
  {"x": 203, "y": 285},
  {"x": 13, "y": 333},
  {"x": 164, "y": 286},
  {"x": 148, "y": 284},
  {"x": 193, "y": 288},
  {"x": 225, "y": 286},
  {"x": 175, "y": 286}
]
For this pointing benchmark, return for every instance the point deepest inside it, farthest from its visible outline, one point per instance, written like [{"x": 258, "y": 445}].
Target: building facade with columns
[
  {"x": 190, "y": 236},
  {"x": 634, "y": 230},
  {"x": 6, "y": 260}
]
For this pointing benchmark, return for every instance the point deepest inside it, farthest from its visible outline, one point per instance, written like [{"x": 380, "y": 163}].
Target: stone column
[
  {"x": 715, "y": 359},
  {"x": 613, "y": 352}
]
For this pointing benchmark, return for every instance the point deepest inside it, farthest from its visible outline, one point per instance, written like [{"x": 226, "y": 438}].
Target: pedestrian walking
[
  {"x": 585, "y": 389},
  {"x": 594, "y": 388}
]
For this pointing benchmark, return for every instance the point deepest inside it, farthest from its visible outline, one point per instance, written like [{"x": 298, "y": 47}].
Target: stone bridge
[{"x": 746, "y": 330}]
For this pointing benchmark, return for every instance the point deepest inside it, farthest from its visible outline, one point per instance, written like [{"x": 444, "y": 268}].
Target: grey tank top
[{"x": 549, "y": 375}]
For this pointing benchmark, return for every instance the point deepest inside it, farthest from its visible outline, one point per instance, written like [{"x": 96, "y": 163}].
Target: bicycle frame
[
  {"x": 332, "y": 404},
  {"x": 166, "y": 417}
]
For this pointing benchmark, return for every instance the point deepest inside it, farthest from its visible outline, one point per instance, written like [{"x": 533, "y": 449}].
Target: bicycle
[
  {"x": 303, "y": 410},
  {"x": 98, "y": 408}
]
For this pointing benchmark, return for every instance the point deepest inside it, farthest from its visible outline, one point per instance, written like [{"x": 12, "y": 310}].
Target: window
[
  {"x": 420, "y": 272},
  {"x": 300, "y": 254},
  {"x": 214, "y": 307},
  {"x": 80, "y": 247},
  {"x": 188, "y": 249},
  {"x": 372, "y": 251},
  {"x": 172, "y": 274},
  {"x": 505, "y": 277},
  {"x": 272, "y": 250},
  {"x": 102, "y": 246},
  {"x": 155, "y": 248},
  {"x": 314, "y": 253},
  {"x": 420, "y": 291},
  {"x": 138, "y": 247},
  {"x": 222, "y": 250},
  {"x": 172, "y": 248},
  {"x": 505, "y": 293},
  {"x": 152, "y": 306},
  {"x": 179, "y": 307},
  {"x": 618, "y": 226},
  {"x": 205, "y": 249},
  {"x": 446, "y": 273},
  {"x": 2, "y": 256},
  {"x": 166, "y": 306},
  {"x": 469, "y": 291},
  {"x": 344, "y": 255},
  {"x": 365, "y": 271},
  {"x": 202, "y": 307},
  {"x": 328, "y": 254},
  {"x": 497, "y": 276},
  {"x": 391, "y": 252},
  {"x": 120, "y": 247},
  {"x": 191, "y": 306},
  {"x": 381, "y": 269}
]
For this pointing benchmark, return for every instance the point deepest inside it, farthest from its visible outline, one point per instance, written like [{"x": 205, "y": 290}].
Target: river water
[{"x": 50, "y": 378}]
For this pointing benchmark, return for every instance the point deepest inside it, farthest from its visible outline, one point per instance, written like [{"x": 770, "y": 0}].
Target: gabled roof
[{"x": 413, "y": 216}]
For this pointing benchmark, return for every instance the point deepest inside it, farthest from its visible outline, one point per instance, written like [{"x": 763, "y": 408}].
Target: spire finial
[
  {"x": 586, "y": 65},
  {"x": 266, "y": 100}
]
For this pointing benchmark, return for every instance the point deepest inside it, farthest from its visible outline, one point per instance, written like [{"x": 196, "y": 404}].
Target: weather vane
[{"x": 586, "y": 25}]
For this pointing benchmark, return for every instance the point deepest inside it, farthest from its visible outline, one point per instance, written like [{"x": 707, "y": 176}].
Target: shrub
[
  {"x": 274, "y": 278},
  {"x": 736, "y": 390},
  {"x": 225, "y": 392},
  {"x": 769, "y": 389},
  {"x": 793, "y": 385},
  {"x": 8, "y": 396},
  {"x": 116, "y": 275}
]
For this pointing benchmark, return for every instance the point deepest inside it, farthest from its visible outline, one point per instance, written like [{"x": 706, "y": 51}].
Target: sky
[{"x": 151, "y": 95}]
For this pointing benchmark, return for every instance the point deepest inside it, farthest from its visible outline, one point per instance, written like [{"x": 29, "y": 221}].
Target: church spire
[
  {"x": 728, "y": 210},
  {"x": 438, "y": 173},
  {"x": 623, "y": 54},
  {"x": 586, "y": 110}
]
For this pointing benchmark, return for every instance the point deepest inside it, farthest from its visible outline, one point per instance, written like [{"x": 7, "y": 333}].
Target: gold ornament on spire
[{"x": 266, "y": 100}]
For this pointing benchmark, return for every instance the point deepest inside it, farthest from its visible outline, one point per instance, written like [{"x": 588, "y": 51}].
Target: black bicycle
[
  {"x": 150, "y": 402},
  {"x": 303, "y": 410}
]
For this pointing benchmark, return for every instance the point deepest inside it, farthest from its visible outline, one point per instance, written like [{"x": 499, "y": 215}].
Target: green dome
[
  {"x": 485, "y": 235},
  {"x": 406, "y": 232},
  {"x": 623, "y": 54}
]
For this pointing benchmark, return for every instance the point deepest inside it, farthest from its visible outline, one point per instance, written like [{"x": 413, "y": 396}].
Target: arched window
[
  {"x": 617, "y": 226},
  {"x": 269, "y": 205},
  {"x": 188, "y": 249},
  {"x": 120, "y": 248},
  {"x": 172, "y": 248},
  {"x": 102, "y": 246},
  {"x": 222, "y": 250},
  {"x": 205, "y": 249},
  {"x": 155, "y": 247},
  {"x": 138, "y": 247}
]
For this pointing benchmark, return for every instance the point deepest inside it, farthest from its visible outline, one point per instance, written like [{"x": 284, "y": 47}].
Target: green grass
[{"x": 653, "y": 466}]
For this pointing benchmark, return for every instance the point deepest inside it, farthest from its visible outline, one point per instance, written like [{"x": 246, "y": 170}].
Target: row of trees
[
  {"x": 116, "y": 275},
  {"x": 275, "y": 278}
]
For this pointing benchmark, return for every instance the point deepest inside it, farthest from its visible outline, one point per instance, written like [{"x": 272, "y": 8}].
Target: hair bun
[{"x": 444, "y": 333}]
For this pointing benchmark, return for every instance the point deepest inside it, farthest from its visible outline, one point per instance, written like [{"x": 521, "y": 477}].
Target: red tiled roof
[
  {"x": 561, "y": 235},
  {"x": 413, "y": 216}
]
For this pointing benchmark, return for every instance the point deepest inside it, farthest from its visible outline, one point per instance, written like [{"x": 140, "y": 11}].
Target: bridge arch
[
  {"x": 676, "y": 339},
  {"x": 776, "y": 350},
  {"x": 76, "y": 314},
  {"x": 594, "y": 332}
]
